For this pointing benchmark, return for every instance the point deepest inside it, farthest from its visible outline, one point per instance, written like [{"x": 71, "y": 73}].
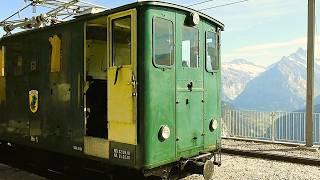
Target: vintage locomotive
[{"x": 134, "y": 87}]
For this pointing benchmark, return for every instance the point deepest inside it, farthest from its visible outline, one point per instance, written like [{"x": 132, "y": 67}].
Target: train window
[
  {"x": 163, "y": 42},
  {"x": 190, "y": 47},
  {"x": 55, "y": 42},
  {"x": 212, "y": 60},
  {"x": 2, "y": 50},
  {"x": 121, "y": 41}
]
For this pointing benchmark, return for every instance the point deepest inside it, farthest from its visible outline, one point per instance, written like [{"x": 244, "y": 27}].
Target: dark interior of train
[{"x": 96, "y": 94}]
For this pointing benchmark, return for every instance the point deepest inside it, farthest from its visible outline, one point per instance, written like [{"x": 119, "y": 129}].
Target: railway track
[{"x": 272, "y": 156}]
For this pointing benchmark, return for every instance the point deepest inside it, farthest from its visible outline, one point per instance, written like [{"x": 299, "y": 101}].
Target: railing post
[
  {"x": 273, "y": 126},
  {"x": 230, "y": 128}
]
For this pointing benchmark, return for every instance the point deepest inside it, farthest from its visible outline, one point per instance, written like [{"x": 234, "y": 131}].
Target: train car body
[{"x": 136, "y": 86}]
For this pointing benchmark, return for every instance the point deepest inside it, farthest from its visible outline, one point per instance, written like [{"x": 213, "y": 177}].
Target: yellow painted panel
[
  {"x": 2, "y": 61},
  {"x": 2, "y": 90},
  {"x": 122, "y": 124},
  {"x": 120, "y": 99},
  {"x": 123, "y": 132},
  {"x": 55, "y": 42},
  {"x": 2, "y": 78},
  {"x": 97, "y": 147}
]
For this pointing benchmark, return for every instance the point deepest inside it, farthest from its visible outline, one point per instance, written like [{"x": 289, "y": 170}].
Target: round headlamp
[
  {"x": 213, "y": 125},
  {"x": 195, "y": 18},
  {"x": 164, "y": 133}
]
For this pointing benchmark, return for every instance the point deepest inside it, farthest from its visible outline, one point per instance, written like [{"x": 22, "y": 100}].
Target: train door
[
  {"x": 122, "y": 96},
  {"x": 189, "y": 89},
  {"x": 212, "y": 81},
  {"x": 96, "y": 140}
]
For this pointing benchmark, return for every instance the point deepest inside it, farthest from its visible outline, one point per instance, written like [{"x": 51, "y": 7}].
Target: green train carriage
[{"x": 136, "y": 86}]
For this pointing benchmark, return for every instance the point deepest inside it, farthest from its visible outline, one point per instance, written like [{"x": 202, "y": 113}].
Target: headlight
[
  {"x": 164, "y": 133},
  {"x": 213, "y": 125},
  {"x": 195, "y": 18}
]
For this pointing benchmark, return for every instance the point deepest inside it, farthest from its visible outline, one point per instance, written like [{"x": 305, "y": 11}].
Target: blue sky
[{"x": 261, "y": 31}]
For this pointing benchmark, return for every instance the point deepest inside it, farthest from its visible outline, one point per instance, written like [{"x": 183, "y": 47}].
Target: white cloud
[
  {"x": 268, "y": 53},
  {"x": 267, "y": 46}
]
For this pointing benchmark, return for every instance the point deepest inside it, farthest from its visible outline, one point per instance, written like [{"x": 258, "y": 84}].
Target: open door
[{"x": 122, "y": 96}]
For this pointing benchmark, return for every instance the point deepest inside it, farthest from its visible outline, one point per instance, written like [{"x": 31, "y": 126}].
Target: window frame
[
  {"x": 198, "y": 59},
  {"x": 153, "y": 44},
  {"x": 112, "y": 63},
  {"x": 206, "y": 50}
]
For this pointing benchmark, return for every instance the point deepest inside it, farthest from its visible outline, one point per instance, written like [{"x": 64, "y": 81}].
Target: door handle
[
  {"x": 134, "y": 85},
  {"x": 117, "y": 74},
  {"x": 190, "y": 85}
]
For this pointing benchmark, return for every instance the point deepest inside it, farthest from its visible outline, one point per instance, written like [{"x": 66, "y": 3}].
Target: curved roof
[
  {"x": 166, "y": 4},
  {"x": 159, "y": 3},
  {"x": 122, "y": 8}
]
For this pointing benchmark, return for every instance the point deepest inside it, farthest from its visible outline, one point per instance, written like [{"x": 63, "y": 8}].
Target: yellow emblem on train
[{"x": 33, "y": 100}]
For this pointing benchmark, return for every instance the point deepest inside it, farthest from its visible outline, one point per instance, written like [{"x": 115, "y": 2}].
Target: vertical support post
[
  {"x": 310, "y": 73},
  {"x": 273, "y": 133}
]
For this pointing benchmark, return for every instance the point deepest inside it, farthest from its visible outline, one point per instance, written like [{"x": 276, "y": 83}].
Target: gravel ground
[
  {"x": 241, "y": 168},
  {"x": 297, "y": 150}
]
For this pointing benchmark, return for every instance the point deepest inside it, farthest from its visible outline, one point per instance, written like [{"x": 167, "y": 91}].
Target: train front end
[{"x": 179, "y": 90}]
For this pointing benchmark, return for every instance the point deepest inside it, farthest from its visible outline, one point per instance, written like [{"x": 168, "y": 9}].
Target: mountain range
[
  {"x": 279, "y": 87},
  {"x": 235, "y": 75}
]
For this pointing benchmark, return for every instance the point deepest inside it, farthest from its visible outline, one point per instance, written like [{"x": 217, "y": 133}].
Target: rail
[
  {"x": 273, "y": 156},
  {"x": 282, "y": 127}
]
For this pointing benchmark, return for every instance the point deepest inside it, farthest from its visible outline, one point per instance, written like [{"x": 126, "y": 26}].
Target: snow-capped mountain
[
  {"x": 282, "y": 87},
  {"x": 235, "y": 75}
]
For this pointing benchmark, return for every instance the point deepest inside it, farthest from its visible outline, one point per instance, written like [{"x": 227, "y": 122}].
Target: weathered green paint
[
  {"x": 165, "y": 93},
  {"x": 159, "y": 98},
  {"x": 189, "y": 108},
  {"x": 58, "y": 124},
  {"x": 212, "y": 97},
  {"x": 55, "y": 126}
]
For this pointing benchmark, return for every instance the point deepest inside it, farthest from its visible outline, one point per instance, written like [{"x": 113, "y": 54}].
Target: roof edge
[{"x": 167, "y": 4}]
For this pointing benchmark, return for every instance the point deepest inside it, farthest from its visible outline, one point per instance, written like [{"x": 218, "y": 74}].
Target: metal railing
[{"x": 285, "y": 127}]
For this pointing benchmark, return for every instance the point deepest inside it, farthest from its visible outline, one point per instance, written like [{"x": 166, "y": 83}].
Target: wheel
[{"x": 208, "y": 170}]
